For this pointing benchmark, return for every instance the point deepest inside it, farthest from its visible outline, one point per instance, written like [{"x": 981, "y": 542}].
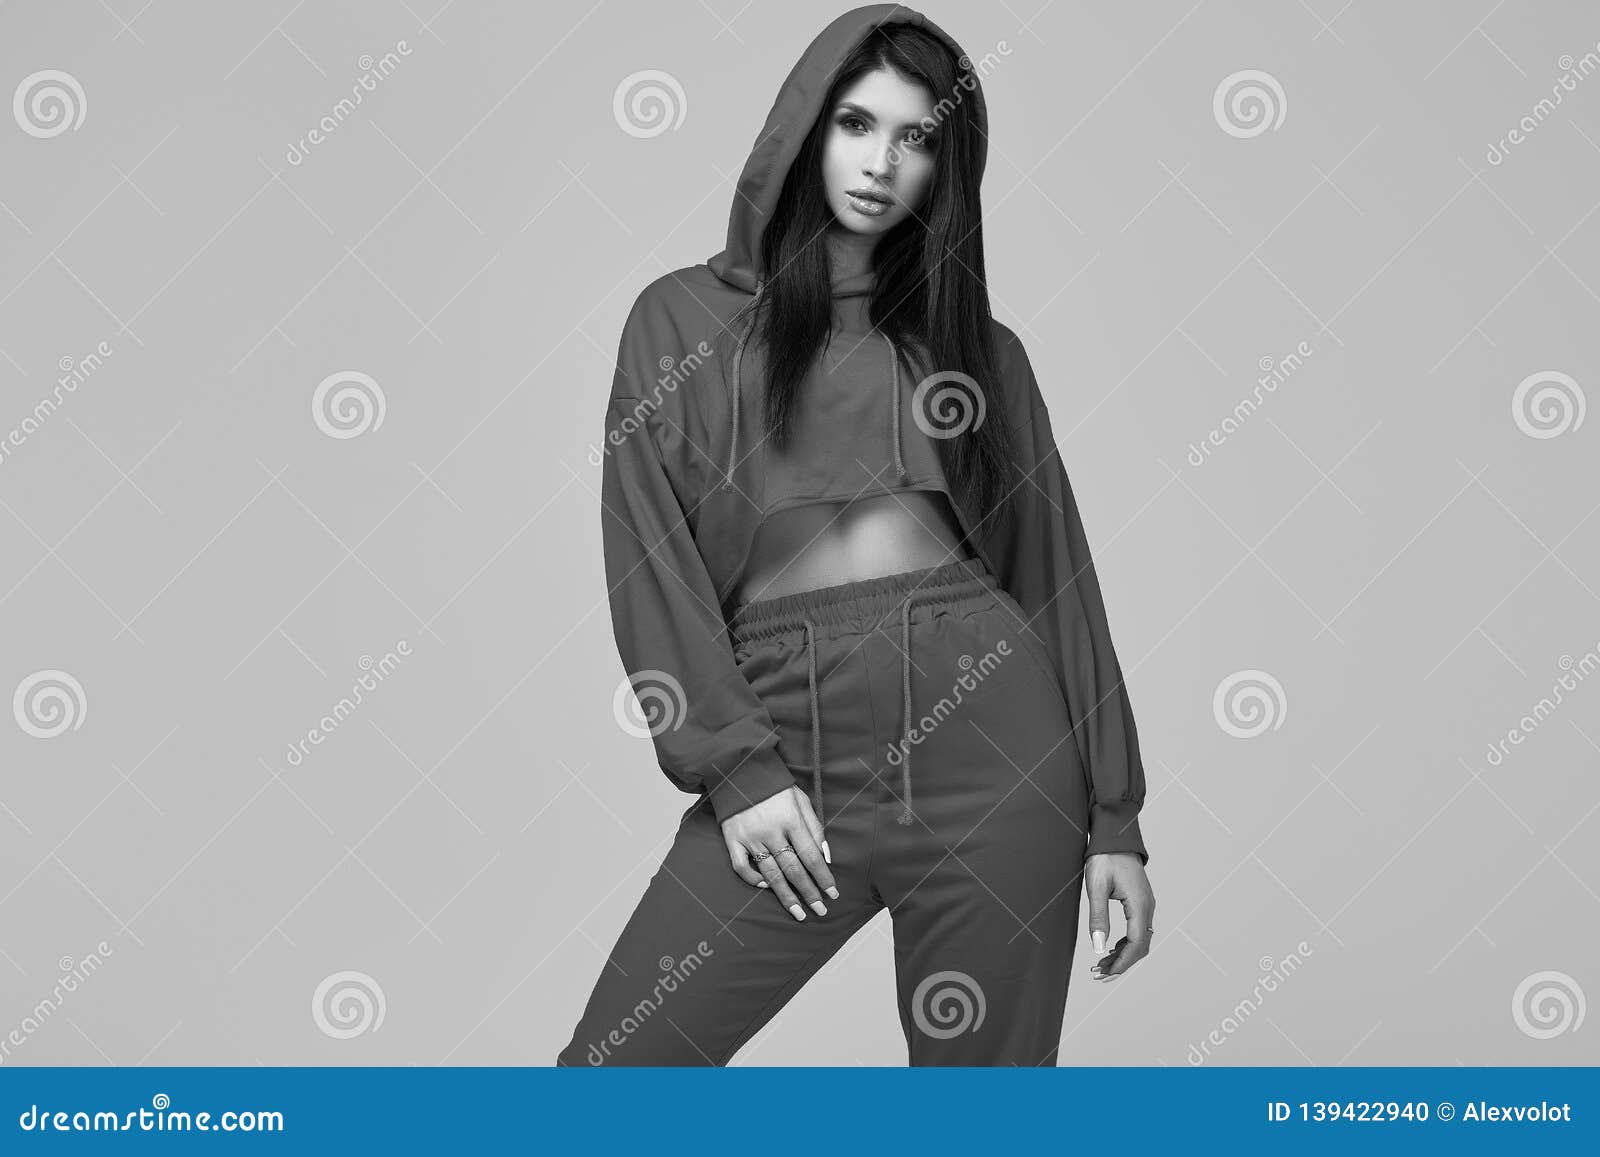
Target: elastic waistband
[{"x": 865, "y": 604}]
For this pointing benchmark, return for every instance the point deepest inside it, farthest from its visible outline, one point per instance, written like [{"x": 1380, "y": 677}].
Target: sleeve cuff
[
  {"x": 757, "y": 778},
  {"x": 1114, "y": 827}
]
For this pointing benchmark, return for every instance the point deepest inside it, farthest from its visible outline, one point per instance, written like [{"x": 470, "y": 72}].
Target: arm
[
  {"x": 716, "y": 737},
  {"x": 1047, "y": 567}
]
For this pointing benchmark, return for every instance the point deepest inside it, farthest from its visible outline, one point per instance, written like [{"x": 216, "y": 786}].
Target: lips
[{"x": 870, "y": 195}]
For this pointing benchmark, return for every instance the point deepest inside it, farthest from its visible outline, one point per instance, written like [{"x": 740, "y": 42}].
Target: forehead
[{"x": 890, "y": 97}]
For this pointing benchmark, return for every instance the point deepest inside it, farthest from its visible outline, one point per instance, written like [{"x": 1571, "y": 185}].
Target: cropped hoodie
[{"x": 687, "y": 478}]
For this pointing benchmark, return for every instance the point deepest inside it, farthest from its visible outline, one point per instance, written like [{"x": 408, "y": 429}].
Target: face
[{"x": 876, "y": 140}]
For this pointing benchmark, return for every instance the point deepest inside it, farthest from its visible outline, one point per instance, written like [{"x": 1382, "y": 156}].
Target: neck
[{"x": 851, "y": 253}]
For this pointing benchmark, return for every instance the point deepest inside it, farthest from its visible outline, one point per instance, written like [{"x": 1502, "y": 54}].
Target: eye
[
  {"x": 921, "y": 140},
  {"x": 849, "y": 119}
]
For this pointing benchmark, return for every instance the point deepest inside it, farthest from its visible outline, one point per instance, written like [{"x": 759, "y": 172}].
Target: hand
[
  {"x": 787, "y": 821},
  {"x": 1119, "y": 876}
]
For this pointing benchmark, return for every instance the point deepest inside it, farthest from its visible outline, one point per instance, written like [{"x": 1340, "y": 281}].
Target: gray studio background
[{"x": 1392, "y": 553}]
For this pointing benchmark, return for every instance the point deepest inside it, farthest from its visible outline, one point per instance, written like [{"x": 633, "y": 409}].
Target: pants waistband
[{"x": 865, "y": 604}]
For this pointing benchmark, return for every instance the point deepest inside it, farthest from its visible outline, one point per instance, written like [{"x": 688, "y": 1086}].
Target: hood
[{"x": 796, "y": 108}]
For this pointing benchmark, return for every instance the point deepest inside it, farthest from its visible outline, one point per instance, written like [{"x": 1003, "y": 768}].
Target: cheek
[{"x": 917, "y": 182}]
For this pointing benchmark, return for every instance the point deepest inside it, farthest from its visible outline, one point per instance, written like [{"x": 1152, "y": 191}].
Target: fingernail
[
  {"x": 1099, "y": 940},
  {"x": 834, "y": 893},
  {"x": 827, "y": 856},
  {"x": 762, "y": 884},
  {"x": 819, "y": 907},
  {"x": 799, "y": 913}
]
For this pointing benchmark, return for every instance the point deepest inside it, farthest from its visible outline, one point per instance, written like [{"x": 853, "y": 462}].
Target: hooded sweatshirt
[{"x": 688, "y": 476}]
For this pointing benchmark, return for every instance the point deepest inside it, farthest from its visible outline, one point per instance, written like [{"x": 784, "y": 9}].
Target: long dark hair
[{"x": 929, "y": 292}]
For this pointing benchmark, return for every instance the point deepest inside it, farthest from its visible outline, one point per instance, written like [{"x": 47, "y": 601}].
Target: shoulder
[{"x": 668, "y": 339}]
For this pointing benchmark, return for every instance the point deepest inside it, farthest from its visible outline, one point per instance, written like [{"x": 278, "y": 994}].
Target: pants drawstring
[
  {"x": 816, "y": 727},
  {"x": 905, "y": 736}
]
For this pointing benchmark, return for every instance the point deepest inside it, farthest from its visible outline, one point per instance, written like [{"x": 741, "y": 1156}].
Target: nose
[{"x": 880, "y": 163}]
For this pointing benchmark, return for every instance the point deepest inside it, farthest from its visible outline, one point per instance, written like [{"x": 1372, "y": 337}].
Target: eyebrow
[{"x": 853, "y": 107}]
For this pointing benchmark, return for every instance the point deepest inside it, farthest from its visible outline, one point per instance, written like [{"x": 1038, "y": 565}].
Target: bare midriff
[{"x": 827, "y": 543}]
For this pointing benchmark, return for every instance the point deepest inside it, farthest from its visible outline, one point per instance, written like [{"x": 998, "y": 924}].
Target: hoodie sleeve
[
  {"x": 712, "y": 733},
  {"x": 1046, "y": 565}
]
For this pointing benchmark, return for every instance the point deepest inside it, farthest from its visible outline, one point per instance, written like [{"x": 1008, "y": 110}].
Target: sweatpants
[{"x": 927, "y": 726}]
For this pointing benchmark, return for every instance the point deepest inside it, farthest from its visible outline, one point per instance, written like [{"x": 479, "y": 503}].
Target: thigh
[
  {"x": 988, "y": 878},
  {"x": 705, "y": 960}
]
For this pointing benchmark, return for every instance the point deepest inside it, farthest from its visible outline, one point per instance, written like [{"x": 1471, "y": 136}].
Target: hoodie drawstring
[
  {"x": 894, "y": 402},
  {"x": 733, "y": 434}
]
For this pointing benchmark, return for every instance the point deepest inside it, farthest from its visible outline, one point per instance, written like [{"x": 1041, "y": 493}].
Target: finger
[
  {"x": 773, "y": 874},
  {"x": 817, "y": 834},
  {"x": 814, "y": 862},
  {"x": 794, "y": 871},
  {"x": 739, "y": 858},
  {"x": 1099, "y": 888},
  {"x": 1139, "y": 912}
]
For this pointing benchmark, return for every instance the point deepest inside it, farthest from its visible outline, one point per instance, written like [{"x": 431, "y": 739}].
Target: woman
[{"x": 846, "y": 565}]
